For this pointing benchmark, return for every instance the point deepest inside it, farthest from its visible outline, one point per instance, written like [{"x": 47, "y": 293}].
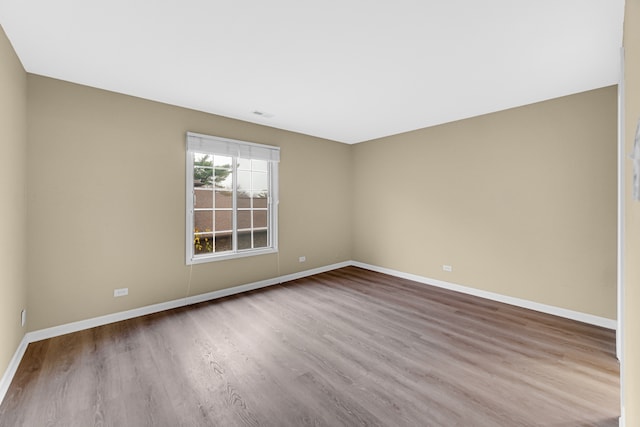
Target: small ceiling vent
[{"x": 263, "y": 114}]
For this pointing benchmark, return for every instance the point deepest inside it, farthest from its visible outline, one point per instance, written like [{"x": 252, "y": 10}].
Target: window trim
[{"x": 200, "y": 143}]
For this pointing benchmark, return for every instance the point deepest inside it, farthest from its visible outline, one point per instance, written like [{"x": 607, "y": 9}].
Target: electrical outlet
[
  {"x": 447, "y": 268},
  {"x": 302, "y": 259},
  {"x": 120, "y": 292},
  {"x": 23, "y": 317}
]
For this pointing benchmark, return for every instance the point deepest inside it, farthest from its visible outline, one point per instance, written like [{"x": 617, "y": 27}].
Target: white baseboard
[
  {"x": 9, "y": 373},
  {"x": 55, "y": 331},
  {"x": 518, "y": 302}
]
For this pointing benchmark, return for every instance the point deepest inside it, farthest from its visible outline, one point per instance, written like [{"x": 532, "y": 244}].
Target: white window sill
[{"x": 227, "y": 256}]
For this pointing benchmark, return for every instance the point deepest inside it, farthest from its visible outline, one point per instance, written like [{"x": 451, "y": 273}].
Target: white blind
[{"x": 215, "y": 145}]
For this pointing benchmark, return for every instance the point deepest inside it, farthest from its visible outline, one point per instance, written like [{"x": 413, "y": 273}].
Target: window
[{"x": 232, "y": 198}]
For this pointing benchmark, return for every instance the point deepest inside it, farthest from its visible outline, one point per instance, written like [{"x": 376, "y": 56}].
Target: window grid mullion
[
  {"x": 213, "y": 204},
  {"x": 251, "y": 204},
  {"x": 234, "y": 204},
  {"x": 191, "y": 252},
  {"x": 269, "y": 195}
]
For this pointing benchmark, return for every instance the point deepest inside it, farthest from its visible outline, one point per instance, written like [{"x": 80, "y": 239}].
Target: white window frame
[{"x": 200, "y": 143}]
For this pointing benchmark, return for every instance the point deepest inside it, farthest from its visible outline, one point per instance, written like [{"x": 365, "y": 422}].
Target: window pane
[
  {"x": 202, "y": 177},
  {"x": 259, "y": 165},
  {"x": 223, "y": 242},
  {"x": 223, "y": 179},
  {"x": 202, "y": 221},
  {"x": 259, "y": 181},
  {"x": 244, "y": 164},
  {"x": 244, "y": 219},
  {"x": 202, "y": 243},
  {"x": 224, "y": 199},
  {"x": 222, "y": 161},
  {"x": 244, "y": 180},
  {"x": 223, "y": 221},
  {"x": 260, "y": 239},
  {"x": 259, "y": 201},
  {"x": 259, "y": 219},
  {"x": 202, "y": 159},
  {"x": 244, "y": 240},
  {"x": 203, "y": 198},
  {"x": 244, "y": 200},
  {"x": 202, "y": 169}
]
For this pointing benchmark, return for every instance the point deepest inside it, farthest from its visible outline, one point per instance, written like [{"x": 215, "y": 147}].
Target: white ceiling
[{"x": 346, "y": 70}]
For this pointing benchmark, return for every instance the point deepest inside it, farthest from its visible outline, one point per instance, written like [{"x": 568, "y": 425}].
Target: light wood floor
[{"x": 348, "y": 347}]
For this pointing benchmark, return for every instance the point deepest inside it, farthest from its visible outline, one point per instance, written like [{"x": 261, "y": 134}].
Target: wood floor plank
[{"x": 342, "y": 348}]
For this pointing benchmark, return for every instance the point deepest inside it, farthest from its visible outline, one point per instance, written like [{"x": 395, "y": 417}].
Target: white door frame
[{"x": 621, "y": 250}]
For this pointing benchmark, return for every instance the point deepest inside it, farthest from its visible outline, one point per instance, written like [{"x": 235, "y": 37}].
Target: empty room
[{"x": 287, "y": 214}]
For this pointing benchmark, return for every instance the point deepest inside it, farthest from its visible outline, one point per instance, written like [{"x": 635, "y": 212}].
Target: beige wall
[
  {"x": 13, "y": 174},
  {"x": 631, "y": 340},
  {"x": 107, "y": 203},
  {"x": 106, "y": 206},
  {"x": 520, "y": 202}
]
